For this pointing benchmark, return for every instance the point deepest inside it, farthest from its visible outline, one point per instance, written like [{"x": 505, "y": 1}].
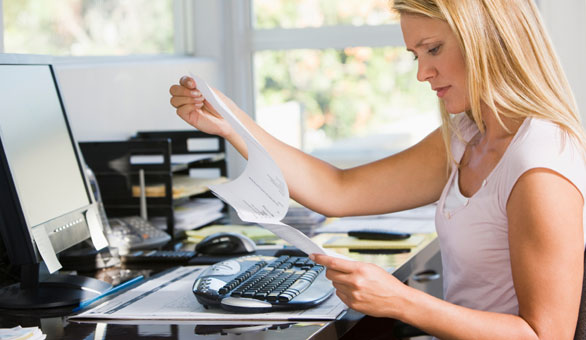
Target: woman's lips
[{"x": 441, "y": 91}]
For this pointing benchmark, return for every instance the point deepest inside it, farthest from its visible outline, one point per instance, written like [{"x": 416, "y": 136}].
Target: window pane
[
  {"x": 316, "y": 13},
  {"x": 88, "y": 27},
  {"x": 351, "y": 105}
]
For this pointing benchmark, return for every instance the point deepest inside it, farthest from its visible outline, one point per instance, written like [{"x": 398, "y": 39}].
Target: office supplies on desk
[
  {"x": 22, "y": 333},
  {"x": 224, "y": 243},
  {"x": 303, "y": 219},
  {"x": 254, "y": 232},
  {"x": 253, "y": 284},
  {"x": 169, "y": 296},
  {"x": 110, "y": 291},
  {"x": 193, "y": 214},
  {"x": 377, "y": 234},
  {"x": 379, "y": 222},
  {"x": 379, "y": 251},
  {"x": 177, "y": 166},
  {"x": 134, "y": 232},
  {"x": 178, "y": 257},
  {"x": 183, "y": 186},
  {"x": 355, "y": 243}
]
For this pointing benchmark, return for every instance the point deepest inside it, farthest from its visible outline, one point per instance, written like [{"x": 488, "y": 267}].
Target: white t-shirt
[{"x": 473, "y": 232}]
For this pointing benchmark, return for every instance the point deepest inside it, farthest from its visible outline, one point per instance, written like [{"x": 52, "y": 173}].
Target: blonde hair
[{"x": 511, "y": 64}]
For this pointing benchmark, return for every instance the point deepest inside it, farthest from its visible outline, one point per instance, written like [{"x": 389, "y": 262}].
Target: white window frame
[
  {"x": 244, "y": 41},
  {"x": 1, "y": 27},
  {"x": 241, "y": 41}
]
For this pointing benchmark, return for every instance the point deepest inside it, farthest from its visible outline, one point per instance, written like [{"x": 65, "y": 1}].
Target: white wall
[
  {"x": 566, "y": 23},
  {"x": 113, "y": 100}
]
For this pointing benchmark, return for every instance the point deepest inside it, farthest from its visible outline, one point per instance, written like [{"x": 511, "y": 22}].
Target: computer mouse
[{"x": 225, "y": 243}]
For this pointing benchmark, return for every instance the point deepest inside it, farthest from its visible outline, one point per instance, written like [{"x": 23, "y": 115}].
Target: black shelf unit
[
  {"x": 117, "y": 164},
  {"x": 182, "y": 144}
]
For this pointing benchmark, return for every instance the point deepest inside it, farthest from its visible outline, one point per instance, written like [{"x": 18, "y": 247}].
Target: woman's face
[{"x": 440, "y": 61}]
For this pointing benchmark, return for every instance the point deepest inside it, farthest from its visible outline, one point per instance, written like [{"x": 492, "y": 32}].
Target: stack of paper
[
  {"x": 303, "y": 219},
  {"x": 183, "y": 186},
  {"x": 194, "y": 214},
  {"x": 21, "y": 333}
]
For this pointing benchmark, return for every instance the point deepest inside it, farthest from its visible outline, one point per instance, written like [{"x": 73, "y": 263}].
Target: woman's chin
[{"x": 454, "y": 109}]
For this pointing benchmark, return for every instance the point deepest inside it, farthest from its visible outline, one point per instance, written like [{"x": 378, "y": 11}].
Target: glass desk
[{"x": 350, "y": 325}]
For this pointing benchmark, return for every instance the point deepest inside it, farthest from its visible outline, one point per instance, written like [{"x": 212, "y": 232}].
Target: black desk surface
[{"x": 58, "y": 327}]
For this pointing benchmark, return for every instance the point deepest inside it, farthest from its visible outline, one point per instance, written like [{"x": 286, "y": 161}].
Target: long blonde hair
[{"x": 511, "y": 64}]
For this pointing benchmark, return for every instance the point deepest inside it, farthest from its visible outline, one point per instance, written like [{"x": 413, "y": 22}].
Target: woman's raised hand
[{"x": 195, "y": 110}]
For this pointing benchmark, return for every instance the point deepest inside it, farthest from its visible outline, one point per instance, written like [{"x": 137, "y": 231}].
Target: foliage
[
  {"x": 88, "y": 27},
  {"x": 350, "y": 92}
]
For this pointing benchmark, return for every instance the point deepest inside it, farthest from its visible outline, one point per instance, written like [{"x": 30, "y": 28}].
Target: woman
[{"x": 507, "y": 167}]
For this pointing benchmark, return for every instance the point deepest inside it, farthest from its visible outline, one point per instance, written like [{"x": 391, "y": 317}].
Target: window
[
  {"x": 317, "y": 13},
  {"x": 88, "y": 27},
  {"x": 333, "y": 78}
]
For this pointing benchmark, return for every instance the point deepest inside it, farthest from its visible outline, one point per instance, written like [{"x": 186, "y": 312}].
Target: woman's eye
[
  {"x": 415, "y": 57},
  {"x": 434, "y": 50}
]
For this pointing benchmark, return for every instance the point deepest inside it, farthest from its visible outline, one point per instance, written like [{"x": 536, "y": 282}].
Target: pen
[{"x": 112, "y": 290}]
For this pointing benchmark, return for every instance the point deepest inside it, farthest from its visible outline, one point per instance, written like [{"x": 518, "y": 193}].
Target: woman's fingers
[
  {"x": 182, "y": 91},
  {"x": 335, "y": 263},
  {"x": 185, "y": 110},
  {"x": 180, "y": 101},
  {"x": 187, "y": 82}
]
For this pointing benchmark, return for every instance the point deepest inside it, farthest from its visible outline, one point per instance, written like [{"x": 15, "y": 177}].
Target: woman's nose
[{"x": 425, "y": 71}]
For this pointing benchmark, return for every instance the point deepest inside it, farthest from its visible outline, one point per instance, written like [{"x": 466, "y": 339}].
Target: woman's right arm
[{"x": 409, "y": 179}]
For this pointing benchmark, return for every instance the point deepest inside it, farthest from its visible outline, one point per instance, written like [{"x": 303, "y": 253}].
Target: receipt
[
  {"x": 259, "y": 194},
  {"x": 45, "y": 248}
]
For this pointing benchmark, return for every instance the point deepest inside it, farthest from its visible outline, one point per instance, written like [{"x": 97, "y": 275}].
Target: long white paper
[
  {"x": 46, "y": 249},
  {"x": 95, "y": 226},
  {"x": 170, "y": 297},
  {"x": 259, "y": 194}
]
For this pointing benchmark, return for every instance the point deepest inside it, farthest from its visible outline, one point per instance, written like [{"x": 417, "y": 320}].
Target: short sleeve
[{"x": 544, "y": 144}]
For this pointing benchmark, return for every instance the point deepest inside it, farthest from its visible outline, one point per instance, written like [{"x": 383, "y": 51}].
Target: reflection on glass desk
[{"x": 60, "y": 328}]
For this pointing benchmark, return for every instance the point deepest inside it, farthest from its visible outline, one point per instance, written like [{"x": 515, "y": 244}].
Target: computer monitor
[{"x": 46, "y": 203}]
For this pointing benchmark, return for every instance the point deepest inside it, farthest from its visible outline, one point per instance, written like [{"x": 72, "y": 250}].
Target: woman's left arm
[{"x": 547, "y": 245}]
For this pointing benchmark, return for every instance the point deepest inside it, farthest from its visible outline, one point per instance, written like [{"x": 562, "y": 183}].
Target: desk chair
[{"x": 581, "y": 326}]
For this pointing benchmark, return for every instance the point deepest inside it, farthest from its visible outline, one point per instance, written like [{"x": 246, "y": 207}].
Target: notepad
[
  {"x": 255, "y": 233},
  {"x": 355, "y": 243}
]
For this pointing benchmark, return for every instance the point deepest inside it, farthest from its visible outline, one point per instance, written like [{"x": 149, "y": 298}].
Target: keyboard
[
  {"x": 179, "y": 257},
  {"x": 260, "y": 284}
]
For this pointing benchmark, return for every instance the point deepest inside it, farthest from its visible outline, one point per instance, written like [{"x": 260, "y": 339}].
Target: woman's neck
[{"x": 494, "y": 130}]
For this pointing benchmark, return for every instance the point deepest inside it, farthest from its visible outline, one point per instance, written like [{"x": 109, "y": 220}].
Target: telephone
[
  {"x": 134, "y": 232},
  {"x": 127, "y": 233}
]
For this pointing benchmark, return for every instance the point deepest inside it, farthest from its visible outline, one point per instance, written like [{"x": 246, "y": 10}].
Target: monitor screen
[{"x": 38, "y": 145}]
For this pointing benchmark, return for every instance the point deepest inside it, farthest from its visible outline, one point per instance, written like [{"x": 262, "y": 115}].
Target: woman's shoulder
[
  {"x": 545, "y": 136},
  {"x": 541, "y": 143}
]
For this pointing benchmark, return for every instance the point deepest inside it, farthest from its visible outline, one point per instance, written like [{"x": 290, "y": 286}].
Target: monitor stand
[{"x": 57, "y": 291}]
